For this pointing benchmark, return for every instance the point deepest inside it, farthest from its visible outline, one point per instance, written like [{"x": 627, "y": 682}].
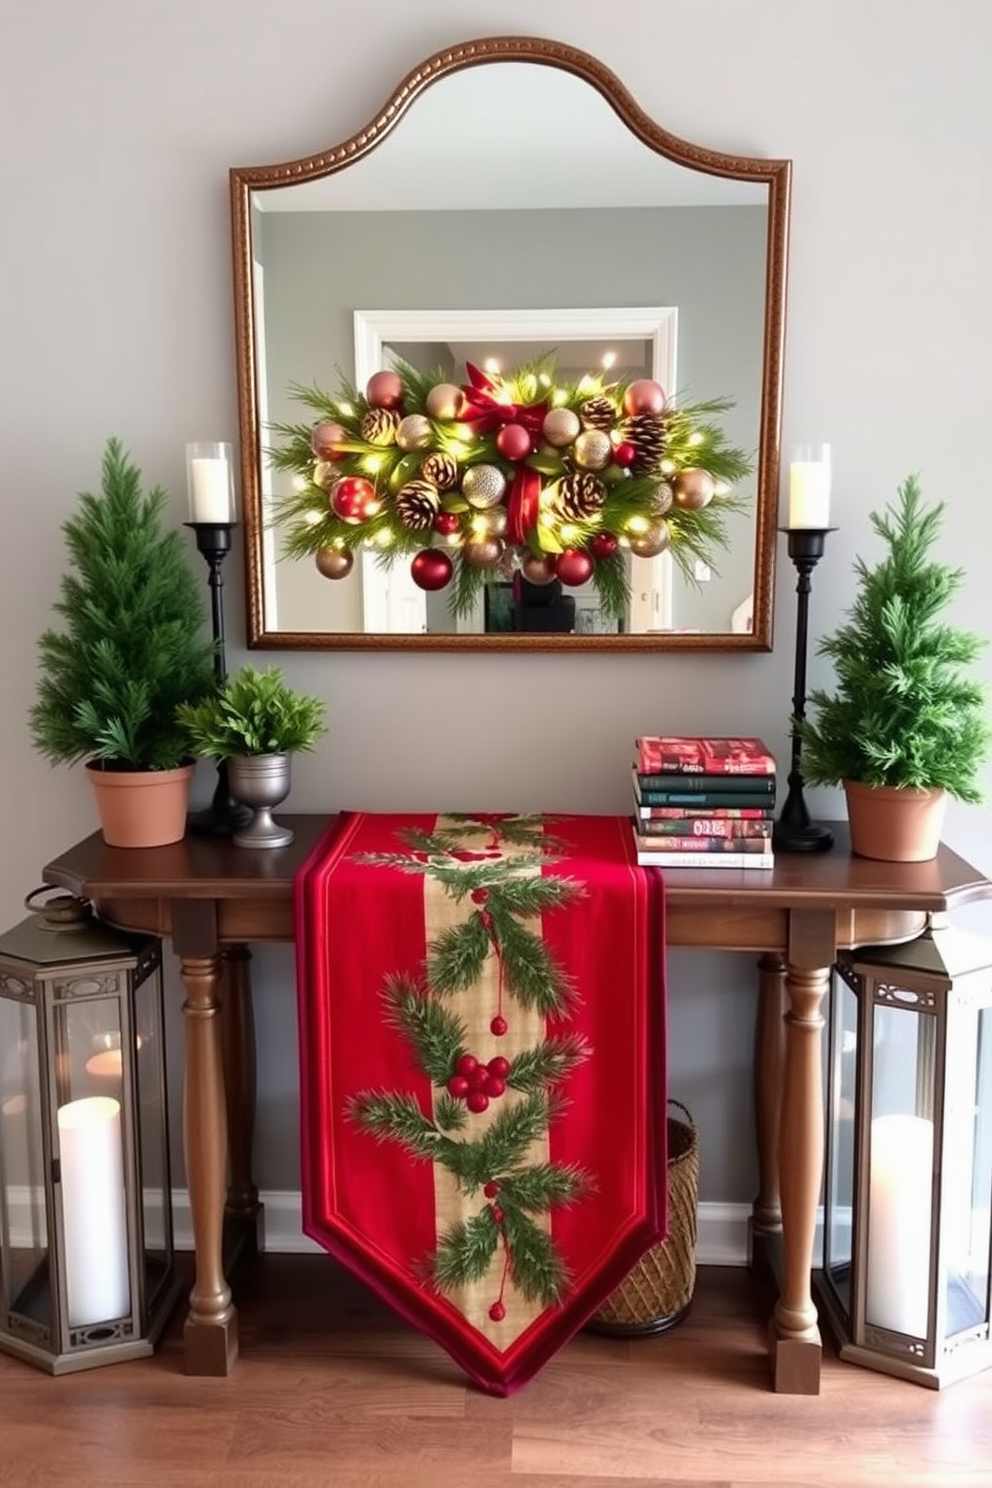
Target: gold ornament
[
  {"x": 326, "y": 475},
  {"x": 537, "y": 570},
  {"x": 592, "y": 450},
  {"x": 441, "y": 470},
  {"x": 693, "y": 489},
  {"x": 416, "y": 505},
  {"x": 483, "y": 554},
  {"x": 662, "y": 500},
  {"x": 335, "y": 563},
  {"x": 444, "y": 401},
  {"x": 561, "y": 426},
  {"x": 491, "y": 523},
  {"x": 414, "y": 432},
  {"x": 379, "y": 426},
  {"x": 483, "y": 486},
  {"x": 649, "y": 544}
]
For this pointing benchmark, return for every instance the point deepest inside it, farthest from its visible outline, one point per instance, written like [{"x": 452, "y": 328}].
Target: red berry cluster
[{"x": 476, "y": 1083}]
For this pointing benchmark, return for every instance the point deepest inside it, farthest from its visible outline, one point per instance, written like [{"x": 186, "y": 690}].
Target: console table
[{"x": 214, "y": 900}]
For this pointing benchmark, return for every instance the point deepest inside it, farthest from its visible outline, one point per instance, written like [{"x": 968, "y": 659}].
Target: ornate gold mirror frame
[{"x": 255, "y": 189}]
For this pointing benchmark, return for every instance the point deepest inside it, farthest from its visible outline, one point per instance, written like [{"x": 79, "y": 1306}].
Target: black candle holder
[
  {"x": 224, "y": 815},
  {"x": 794, "y": 831}
]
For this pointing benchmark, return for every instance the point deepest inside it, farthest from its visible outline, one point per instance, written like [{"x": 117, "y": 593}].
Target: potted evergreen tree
[
  {"x": 256, "y": 722},
  {"x": 132, "y": 647},
  {"x": 906, "y": 726}
]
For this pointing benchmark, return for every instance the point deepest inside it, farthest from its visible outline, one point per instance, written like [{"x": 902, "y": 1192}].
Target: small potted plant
[
  {"x": 131, "y": 648},
  {"x": 906, "y": 726},
  {"x": 256, "y": 722}
]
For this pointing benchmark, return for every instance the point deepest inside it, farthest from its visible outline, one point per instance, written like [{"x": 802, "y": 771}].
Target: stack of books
[{"x": 703, "y": 803}]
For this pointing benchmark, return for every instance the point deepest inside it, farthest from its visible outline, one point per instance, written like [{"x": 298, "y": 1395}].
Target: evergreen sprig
[
  {"x": 903, "y": 713},
  {"x": 544, "y": 1186},
  {"x": 533, "y": 974},
  {"x": 536, "y": 1267},
  {"x": 133, "y": 645},
  {"x": 464, "y": 1252},
  {"x": 392, "y": 1117},
  {"x": 254, "y": 712},
  {"x": 547, "y": 1063},
  {"x": 436, "y": 1035}
]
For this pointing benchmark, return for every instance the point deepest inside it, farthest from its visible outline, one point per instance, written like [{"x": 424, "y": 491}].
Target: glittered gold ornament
[
  {"x": 444, "y": 401},
  {"x": 592, "y": 450},
  {"x": 537, "y": 570},
  {"x": 441, "y": 470},
  {"x": 649, "y": 544},
  {"x": 561, "y": 426},
  {"x": 693, "y": 489},
  {"x": 483, "y": 486},
  {"x": 325, "y": 475},
  {"x": 662, "y": 500},
  {"x": 335, "y": 563},
  {"x": 414, "y": 432},
  {"x": 482, "y": 554},
  {"x": 379, "y": 426}
]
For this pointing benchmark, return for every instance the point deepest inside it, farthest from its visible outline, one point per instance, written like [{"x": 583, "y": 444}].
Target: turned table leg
[
  {"x": 796, "y": 1346},
  {"x": 769, "y": 1063},
  {"x": 211, "y": 1331},
  {"x": 244, "y": 1211}
]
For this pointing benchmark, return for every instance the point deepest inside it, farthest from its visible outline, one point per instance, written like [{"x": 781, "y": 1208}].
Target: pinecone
[
  {"x": 598, "y": 413},
  {"x": 580, "y": 496},
  {"x": 441, "y": 470},
  {"x": 646, "y": 432},
  {"x": 416, "y": 505},
  {"x": 379, "y": 426}
]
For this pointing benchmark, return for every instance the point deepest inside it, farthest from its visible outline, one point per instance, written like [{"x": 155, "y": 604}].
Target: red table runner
[{"x": 482, "y": 1055}]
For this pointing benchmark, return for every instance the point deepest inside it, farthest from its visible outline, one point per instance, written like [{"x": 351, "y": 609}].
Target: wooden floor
[{"x": 331, "y": 1391}]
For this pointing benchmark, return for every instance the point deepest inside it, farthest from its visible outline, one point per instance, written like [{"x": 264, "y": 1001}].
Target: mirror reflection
[{"x": 448, "y": 249}]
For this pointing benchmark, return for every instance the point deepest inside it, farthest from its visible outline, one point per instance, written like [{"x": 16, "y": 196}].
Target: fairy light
[
  {"x": 609, "y": 360},
  {"x": 372, "y": 464},
  {"x": 383, "y": 538},
  {"x": 638, "y": 525},
  {"x": 313, "y": 518},
  {"x": 544, "y": 379},
  {"x": 721, "y": 488},
  {"x": 491, "y": 365},
  {"x": 559, "y": 396},
  {"x": 667, "y": 467},
  {"x": 300, "y": 484},
  {"x": 346, "y": 410},
  {"x": 696, "y": 438},
  {"x": 587, "y": 383}
]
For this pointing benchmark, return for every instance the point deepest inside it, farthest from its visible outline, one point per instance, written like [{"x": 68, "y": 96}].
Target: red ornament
[
  {"x": 604, "y": 545},
  {"x": 447, "y": 523},
  {"x": 497, "y": 1312},
  {"x": 354, "y": 499},
  {"x": 384, "y": 390},
  {"x": 457, "y": 1087},
  {"x": 431, "y": 569},
  {"x": 494, "y": 1088},
  {"x": 477, "y": 1101},
  {"x": 498, "y": 1026},
  {"x": 514, "y": 442},
  {"x": 465, "y": 1064},
  {"x": 325, "y": 438},
  {"x": 624, "y": 454},
  {"x": 491, "y": 1189},
  {"x": 574, "y": 566},
  {"x": 644, "y": 396},
  {"x": 499, "y": 1067}
]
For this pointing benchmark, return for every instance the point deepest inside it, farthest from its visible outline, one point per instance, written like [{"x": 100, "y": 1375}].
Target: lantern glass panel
[
  {"x": 900, "y": 1166},
  {"x": 966, "y": 1199},
  {"x": 843, "y": 1075},
  {"x": 150, "y": 1095},
  {"x": 23, "y": 1229}
]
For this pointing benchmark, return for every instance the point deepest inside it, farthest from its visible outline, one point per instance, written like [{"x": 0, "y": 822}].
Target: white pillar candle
[
  {"x": 93, "y": 1211},
  {"x": 209, "y": 483},
  {"x": 899, "y": 1201},
  {"x": 809, "y": 486}
]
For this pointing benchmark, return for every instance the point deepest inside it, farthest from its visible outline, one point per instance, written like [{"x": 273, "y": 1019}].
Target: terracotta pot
[
  {"x": 894, "y": 826},
  {"x": 141, "y": 808}
]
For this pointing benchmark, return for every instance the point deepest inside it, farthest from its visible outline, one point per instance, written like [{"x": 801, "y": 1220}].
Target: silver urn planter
[{"x": 261, "y": 781}]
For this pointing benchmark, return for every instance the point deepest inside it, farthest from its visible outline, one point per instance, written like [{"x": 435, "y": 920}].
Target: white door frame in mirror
[{"x": 376, "y": 330}]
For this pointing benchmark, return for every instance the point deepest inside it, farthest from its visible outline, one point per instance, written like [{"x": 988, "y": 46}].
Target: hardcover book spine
[
  {"x": 655, "y": 814},
  {"x": 708, "y": 799},
  {"x": 705, "y": 828},
  {"x": 676, "y": 755},
  {"x": 713, "y": 846},
  {"x": 705, "y": 860},
  {"x": 707, "y": 784}
]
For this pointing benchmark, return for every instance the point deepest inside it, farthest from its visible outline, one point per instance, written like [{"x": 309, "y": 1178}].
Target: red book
[
  {"x": 670, "y": 754},
  {"x": 706, "y": 845},
  {"x": 648, "y": 814},
  {"x": 702, "y": 828}
]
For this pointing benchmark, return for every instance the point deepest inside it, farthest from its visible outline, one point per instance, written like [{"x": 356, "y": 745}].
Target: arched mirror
[{"x": 510, "y": 364}]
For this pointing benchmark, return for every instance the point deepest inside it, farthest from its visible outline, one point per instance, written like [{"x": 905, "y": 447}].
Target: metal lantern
[
  {"x": 908, "y": 1193},
  {"x": 87, "y": 1271}
]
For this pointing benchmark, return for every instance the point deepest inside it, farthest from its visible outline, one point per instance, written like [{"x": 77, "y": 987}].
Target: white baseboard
[{"x": 721, "y": 1229}]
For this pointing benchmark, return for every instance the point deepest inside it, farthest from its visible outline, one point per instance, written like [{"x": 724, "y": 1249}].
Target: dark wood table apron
[{"x": 214, "y": 900}]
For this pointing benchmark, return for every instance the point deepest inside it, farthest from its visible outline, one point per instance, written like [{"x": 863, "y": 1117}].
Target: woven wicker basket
[{"x": 657, "y": 1293}]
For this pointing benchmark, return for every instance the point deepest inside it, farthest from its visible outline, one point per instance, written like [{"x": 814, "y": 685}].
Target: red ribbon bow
[{"x": 486, "y": 412}]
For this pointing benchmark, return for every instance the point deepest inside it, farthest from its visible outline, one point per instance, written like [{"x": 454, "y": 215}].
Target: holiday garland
[
  {"x": 505, "y": 893},
  {"x": 516, "y": 472}
]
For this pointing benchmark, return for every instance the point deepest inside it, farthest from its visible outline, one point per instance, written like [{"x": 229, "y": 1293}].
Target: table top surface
[{"x": 209, "y": 867}]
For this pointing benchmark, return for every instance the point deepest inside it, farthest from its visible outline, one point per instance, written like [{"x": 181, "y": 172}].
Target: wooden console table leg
[
  {"x": 244, "y": 1211},
  {"x": 211, "y": 1330},
  {"x": 769, "y": 1063},
  {"x": 795, "y": 1336}
]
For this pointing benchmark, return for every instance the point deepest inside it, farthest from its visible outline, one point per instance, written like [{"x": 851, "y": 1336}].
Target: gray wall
[
  {"x": 709, "y": 262},
  {"x": 116, "y": 318}
]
